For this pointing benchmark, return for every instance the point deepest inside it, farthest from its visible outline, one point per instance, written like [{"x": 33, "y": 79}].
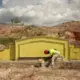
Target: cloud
[{"x": 40, "y": 12}]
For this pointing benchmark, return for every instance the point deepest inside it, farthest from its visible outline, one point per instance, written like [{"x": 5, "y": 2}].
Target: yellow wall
[
  {"x": 34, "y": 47},
  {"x": 12, "y": 52},
  {"x": 7, "y": 54},
  {"x": 74, "y": 53}
]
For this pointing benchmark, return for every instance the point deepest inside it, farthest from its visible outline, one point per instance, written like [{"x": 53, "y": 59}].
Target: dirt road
[
  {"x": 31, "y": 73},
  {"x": 24, "y": 71}
]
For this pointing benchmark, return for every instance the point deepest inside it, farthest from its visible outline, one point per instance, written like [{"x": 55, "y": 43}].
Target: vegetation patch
[{"x": 6, "y": 41}]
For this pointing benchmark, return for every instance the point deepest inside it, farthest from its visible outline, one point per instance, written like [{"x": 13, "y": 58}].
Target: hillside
[
  {"x": 9, "y": 30},
  {"x": 20, "y": 32}
]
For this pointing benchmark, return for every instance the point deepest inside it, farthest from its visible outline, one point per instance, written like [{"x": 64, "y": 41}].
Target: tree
[{"x": 15, "y": 20}]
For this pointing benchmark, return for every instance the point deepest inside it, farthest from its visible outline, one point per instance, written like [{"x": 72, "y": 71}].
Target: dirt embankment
[
  {"x": 32, "y": 30},
  {"x": 68, "y": 30}
]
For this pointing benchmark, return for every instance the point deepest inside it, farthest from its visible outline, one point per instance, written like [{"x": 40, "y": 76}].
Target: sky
[
  {"x": 0, "y": 3},
  {"x": 40, "y": 12}
]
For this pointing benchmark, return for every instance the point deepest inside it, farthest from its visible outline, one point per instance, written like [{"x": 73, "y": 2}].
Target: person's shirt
[{"x": 53, "y": 51}]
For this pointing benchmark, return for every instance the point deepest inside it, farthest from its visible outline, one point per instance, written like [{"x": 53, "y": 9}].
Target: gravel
[{"x": 32, "y": 73}]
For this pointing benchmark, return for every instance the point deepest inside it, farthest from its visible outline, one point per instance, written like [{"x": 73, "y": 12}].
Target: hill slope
[{"x": 18, "y": 32}]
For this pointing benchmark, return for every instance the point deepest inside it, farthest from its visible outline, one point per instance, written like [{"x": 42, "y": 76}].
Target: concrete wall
[
  {"x": 7, "y": 54},
  {"x": 35, "y": 47},
  {"x": 74, "y": 53}
]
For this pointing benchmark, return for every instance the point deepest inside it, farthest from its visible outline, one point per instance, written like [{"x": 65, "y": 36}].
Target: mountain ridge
[{"x": 25, "y": 30}]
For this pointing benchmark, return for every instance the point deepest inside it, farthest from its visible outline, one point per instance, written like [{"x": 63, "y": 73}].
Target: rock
[{"x": 2, "y": 47}]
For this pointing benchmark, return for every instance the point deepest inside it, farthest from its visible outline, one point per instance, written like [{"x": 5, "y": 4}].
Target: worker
[{"x": 51, "y": 59}]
